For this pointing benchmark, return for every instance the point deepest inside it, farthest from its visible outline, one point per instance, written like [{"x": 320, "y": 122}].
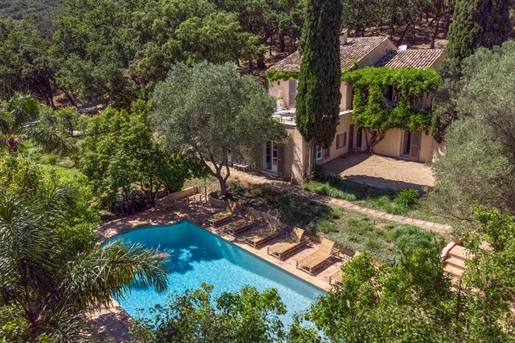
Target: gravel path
[{"x": 287, "y": 187}]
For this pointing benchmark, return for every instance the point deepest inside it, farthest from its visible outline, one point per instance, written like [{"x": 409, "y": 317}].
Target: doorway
[{"x": 411, "y": 144}]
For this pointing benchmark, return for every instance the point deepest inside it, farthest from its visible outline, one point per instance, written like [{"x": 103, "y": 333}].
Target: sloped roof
[
  {"x": 354, "y": 49},
  {"x": 414, "y": 58}
]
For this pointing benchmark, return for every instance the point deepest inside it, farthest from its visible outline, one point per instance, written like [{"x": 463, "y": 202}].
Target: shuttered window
[{"x": 341, "y": 140}]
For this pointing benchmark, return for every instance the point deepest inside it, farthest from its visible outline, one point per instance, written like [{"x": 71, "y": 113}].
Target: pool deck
[{"x": 112, "y": 322}]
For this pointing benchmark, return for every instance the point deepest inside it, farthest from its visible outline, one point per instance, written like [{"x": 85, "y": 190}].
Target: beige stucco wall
[
  {"x": 299, "y": 156},
  {"x": 283, "y": 85},
  {"x": 391, "y": 145}
]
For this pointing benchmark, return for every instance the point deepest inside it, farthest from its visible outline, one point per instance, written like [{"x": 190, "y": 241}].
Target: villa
[{"x": 289, "y": 159}]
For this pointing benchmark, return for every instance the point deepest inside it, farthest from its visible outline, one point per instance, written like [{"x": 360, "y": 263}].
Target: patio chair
[
  {"x": 225, "y": 215},
  {"x": 317, "y": 258},
  {"x": 262, "y": 235},
  {"x": 295, "y": 241},
  {"x": 241, "y": 224},
  {"x": 336, "y": 278}
]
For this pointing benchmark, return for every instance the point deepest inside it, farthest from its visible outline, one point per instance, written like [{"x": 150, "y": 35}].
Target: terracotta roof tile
[
  {"x": 354, "y": 49},
  {"x": 414, "y": 58}
]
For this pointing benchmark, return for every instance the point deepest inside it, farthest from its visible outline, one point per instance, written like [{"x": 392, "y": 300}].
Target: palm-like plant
[
  {"x": 53, "y": 279},
  {"x": 16, "y": 115}
]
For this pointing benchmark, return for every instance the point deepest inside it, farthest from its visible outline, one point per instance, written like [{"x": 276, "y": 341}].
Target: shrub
[
  {"x": 406, "y": 197},
  {"x": 49, "y": 159},
  {"x": 410, "y": 236},
  {"x": 129, "y": 204}
]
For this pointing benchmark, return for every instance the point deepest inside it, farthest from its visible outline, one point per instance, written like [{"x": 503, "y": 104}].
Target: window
[
  {"x": 292, "y": 92},
  {"x": 319, "y": 153},
  {"x": 341, "y": 140}
]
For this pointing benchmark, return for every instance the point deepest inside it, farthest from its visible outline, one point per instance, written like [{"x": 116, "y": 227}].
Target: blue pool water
[{"x": 200, "y": 256}]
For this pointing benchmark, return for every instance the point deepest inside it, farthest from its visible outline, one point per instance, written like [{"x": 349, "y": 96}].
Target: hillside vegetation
[{"x": 18, "y": 9}]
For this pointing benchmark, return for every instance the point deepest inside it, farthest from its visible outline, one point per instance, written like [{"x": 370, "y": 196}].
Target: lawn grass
[
  {"x": 368, "y": 196},
  {"x": 349, "y": 229}
]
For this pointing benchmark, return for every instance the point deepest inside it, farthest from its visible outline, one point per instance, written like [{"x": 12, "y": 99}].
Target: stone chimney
[{"x": 343, "y": 36}]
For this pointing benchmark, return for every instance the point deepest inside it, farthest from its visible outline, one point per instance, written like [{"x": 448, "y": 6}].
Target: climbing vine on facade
[{"x": 386, "y": 98}]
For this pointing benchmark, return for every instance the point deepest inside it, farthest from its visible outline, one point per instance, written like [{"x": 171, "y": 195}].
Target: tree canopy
[
  {"x": 126, "y": 165},
  {"x": 244, "y": 316},
  {"x": 478, "y": 165},
  {"x": 52, "y": 270},
  {"x": 318, "y": 97},
  {"x": 478, "y": 23},
  {"x": 211, "y": 111}
]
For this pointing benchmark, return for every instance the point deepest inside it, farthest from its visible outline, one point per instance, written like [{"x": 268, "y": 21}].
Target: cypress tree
[
  {"x": 477, "y": 23},
  {"x": 318, "y": 97}
]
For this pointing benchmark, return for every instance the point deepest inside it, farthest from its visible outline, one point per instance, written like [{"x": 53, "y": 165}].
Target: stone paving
[{"x": 287, "y": 187}]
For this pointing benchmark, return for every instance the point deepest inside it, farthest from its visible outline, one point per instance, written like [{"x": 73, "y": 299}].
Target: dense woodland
[
  {"x": 157, "y": 66},
  {"x": 19, "y": 9},
  {"x": 116, "y": 51}
]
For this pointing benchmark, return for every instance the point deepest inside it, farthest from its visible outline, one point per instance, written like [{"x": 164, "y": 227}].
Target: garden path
[{"x": 288, "y": 187}]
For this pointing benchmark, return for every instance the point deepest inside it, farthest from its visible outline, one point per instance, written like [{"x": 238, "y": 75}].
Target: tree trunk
[
  {"x": 374, "y": 139},
  {"x": 435, "y": 33},
  {"x": 311, "y": 159},
  {"x": 282, "y": 44},
  {"x": 70, "y": 98},
  {"x": 261, "y": 62}
]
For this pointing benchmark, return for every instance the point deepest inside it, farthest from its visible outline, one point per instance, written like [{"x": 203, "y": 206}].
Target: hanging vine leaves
[{"x": 371, "y": 111}]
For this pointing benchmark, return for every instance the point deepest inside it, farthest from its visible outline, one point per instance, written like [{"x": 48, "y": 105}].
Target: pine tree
[
  {"x": 477, "y": 23},
  {"x": 318, "y": 98}
]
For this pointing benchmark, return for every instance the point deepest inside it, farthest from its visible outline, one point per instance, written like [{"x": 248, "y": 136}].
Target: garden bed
[{"x": 349, "y": 229}]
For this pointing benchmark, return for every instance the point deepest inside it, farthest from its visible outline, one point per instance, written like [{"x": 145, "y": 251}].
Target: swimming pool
[{"x": 197, "y": 255}]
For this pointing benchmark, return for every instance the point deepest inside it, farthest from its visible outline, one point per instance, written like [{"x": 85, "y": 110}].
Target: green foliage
[
  {"x": 405, "y": 302},
  {"x": 477, "y": 23},
  {"x": 410, "y": 237},
  {"x": 406, "y": 197},
  {"x": 15, "y": 117},
  {"x": 121, "y": 156},
  {"x": 276, "y": 75},
  {"x": 197, "y": 115},
  {"x": 244, "y": 316},
  {"x": 372, "y": 112},
  {"x": 318, "y": 96},
  {"x": 349, "y": 229},
  {"x": 18, "y": 9},
  {"x": 52, "y": 269},
  {"x": 478, "y": 165},
  {"x": 25, "y": 64}
]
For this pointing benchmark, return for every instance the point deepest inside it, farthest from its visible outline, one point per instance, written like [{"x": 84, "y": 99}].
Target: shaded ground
[{"x": 383, "y": 172}]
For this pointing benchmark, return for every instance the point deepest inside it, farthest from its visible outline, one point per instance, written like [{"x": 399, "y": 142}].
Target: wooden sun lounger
[
  {"x": 286, "y": 247},
  {"x": 239, "y": 225},
  {"x": 336, "y": 278},
  {"x": 317, "y": 258},
  {"x": 261, "y": 236},
  {"x": 223, "y": 216}
]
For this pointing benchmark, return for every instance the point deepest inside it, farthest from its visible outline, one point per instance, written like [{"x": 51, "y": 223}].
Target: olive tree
[
  {"x": 211, "y": 111},
  {"x": 478, "y": 167}
]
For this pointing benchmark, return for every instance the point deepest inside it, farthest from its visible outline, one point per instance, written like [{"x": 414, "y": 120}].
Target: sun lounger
[
  {"x": 286, "y": 247},
  {"x": 225, "y": 215},
  {"x": 241, "y": 224},
  {"x": 261, "y": 235},
  {"x": 336, "y": 278},
  {"x": 317, "y": 258}
]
